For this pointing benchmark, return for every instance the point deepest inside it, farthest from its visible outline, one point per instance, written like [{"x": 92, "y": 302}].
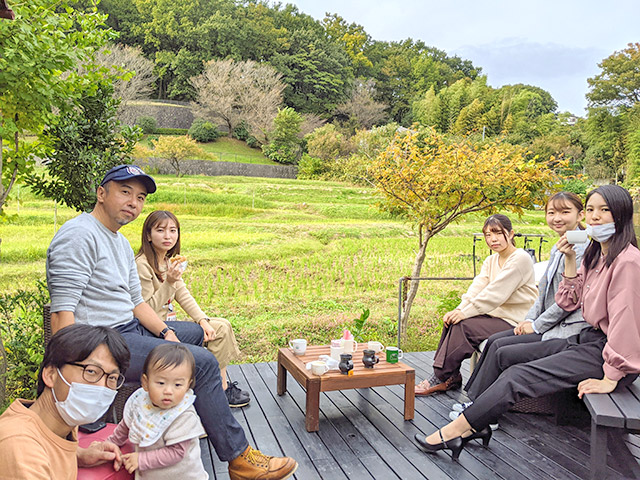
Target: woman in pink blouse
[{"x": 597, "y": 359}]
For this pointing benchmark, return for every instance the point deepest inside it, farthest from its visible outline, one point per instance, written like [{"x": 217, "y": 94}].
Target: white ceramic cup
[
  {"x": 319, "y": 367},
  {"x": 336, "y": 343},
  {"x": 299, "y": 346},
  {"x": 576, "y": 236},
  {"x": 375, "y": 346},
  {"x": 335, "y": 353},
  {"x": 349, "y": 346}
]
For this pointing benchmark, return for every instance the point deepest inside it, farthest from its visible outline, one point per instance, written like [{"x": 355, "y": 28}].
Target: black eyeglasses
[{"x": 94, "y": 373}]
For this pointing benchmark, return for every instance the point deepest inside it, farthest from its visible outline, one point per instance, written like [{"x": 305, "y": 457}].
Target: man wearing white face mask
[{"x": 81, "y": 371}]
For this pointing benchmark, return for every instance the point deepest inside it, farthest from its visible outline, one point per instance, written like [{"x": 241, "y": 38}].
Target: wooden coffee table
[{"x": 382, "y": 374}]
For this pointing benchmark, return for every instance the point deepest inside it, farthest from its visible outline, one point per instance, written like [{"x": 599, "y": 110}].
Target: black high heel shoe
[
  {"x": 484, "y": 434},
  {"x": 455, "y": 445}
]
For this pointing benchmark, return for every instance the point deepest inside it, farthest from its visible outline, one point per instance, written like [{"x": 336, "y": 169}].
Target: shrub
[
  {"x": 176, "y": 150},
  {"x": 204, "y": 131},
  {"x": 241, "y": 131},
  {"x": 310, "y": 168},
  {"x": 284, "y": 146},
  {"x": 23, "y": 338},
  {"x": 253, "y": 142},
  {"x": 147, "y": 124},
  {"x": 327, "y": 143},
  {"x": 579, "y": 186}
]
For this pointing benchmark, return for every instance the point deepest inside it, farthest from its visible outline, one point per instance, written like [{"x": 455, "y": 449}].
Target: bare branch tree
[
  {"x": 361, "y": 107},
  {"x": 137, "y": 72},
  {"x": 310, "y": 122},
  {"x": 234, "y": 91}
]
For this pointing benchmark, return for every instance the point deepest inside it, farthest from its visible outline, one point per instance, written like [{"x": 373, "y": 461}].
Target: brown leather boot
[
  {"x": 254, "y": 465},
  {"x": 434, "y": 384}
]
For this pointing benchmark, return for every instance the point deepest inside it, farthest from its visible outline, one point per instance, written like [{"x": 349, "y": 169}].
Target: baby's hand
[{"x": 130, "y": 461}]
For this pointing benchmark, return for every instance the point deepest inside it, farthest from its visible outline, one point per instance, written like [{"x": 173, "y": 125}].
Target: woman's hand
[
  {"x": 593, "y": 385},
  {"x": 524, "y": 328},
  {"x": 565, "y": 247},
  {"x": 570, "y": 266},
  {"x": 174, "y": 272},
  {"x": 209, "y": 331},
  {"x": 453, "y": 317}
]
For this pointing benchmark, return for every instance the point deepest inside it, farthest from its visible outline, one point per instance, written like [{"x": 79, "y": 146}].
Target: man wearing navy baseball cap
[
  {"x": 92, "y": 278},
  {"x": 126, "y": 172}
]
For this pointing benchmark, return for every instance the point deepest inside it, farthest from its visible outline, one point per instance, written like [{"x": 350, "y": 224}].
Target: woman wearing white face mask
[
  {"x": 81, "y": 371},
  {"x": 596, "y": 360}
]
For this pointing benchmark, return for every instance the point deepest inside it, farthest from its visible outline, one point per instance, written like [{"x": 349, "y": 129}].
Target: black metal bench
[{"x": 612, "y": 415}]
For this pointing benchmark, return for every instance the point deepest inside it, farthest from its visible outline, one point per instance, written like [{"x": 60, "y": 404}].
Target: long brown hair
[
  {"x": 621, "y": 207},
  {"x": 153, "y": 219}
]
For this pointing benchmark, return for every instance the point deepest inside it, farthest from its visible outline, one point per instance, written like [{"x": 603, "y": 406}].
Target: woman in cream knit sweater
[
  {"x": 498, "y": 299},
  {"x": 160, "y": 270}
]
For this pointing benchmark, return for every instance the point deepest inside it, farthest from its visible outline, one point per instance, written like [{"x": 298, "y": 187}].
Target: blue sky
[{"x": 555, "y": 45}]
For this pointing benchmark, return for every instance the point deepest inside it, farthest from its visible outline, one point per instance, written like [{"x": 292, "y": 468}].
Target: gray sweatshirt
[{"x": 91, "y": 272}]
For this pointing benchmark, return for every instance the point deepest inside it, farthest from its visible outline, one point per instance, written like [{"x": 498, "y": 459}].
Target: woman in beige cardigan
[
  {"x": 160, "y": 270},
  {"x": 498, "y": 299}
]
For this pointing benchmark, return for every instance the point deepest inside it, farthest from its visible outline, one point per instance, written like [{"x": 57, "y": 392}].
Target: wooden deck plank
[
  {"x": 503, "y": 449},
  {"x": 567, "y": 445},
  {"x": 386, "y": 419},
  {"x": 513, "y": 434},
  {"x": 316, "y": 449},
  {"x": 363, "y": 434},
  {"x": 276, "y": 429},
  {"x": 337, "y": 438},
  {"x": 376, "y": 439}
]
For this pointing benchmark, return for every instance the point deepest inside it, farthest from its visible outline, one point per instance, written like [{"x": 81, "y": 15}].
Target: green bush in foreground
[{"x": 23, "y": 338}]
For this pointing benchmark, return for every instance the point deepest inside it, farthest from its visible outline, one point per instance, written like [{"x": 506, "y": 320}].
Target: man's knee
[
  {"x": 206, "y": 362},
  {"x": 188, "y": 332}
]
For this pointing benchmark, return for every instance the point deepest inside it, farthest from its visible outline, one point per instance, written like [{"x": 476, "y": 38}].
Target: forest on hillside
[
  {"x": 322, "y": 94},
  {"x": 337, "y": 71}
]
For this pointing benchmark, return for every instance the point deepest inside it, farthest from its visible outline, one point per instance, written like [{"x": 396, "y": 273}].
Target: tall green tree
[
  {"x": 86, "y": 141},
  {"x": 352, "y": 38},
  {"x": 39, "y": 53},
  {"x": 612, "y": 122},
  {"x": 618, "y": 84},
  {"x": 317, "y": 73}
]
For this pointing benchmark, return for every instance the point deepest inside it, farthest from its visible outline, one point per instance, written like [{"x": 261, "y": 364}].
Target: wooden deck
[{"x": 363, "y": 435}]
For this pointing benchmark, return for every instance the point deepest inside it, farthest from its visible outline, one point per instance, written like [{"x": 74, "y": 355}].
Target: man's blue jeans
[{"x": 212, "y": 406}]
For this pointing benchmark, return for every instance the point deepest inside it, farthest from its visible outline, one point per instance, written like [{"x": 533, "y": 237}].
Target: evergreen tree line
[{"x": 331, "y": 69}]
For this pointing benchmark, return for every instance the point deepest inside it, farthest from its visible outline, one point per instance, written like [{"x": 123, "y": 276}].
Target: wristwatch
[{"x": 164, "y": 332}]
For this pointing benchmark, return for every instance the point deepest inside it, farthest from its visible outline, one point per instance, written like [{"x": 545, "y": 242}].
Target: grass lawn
[
  {"x": 281, "y": 259},
  {"x": 227, "y": 149}
]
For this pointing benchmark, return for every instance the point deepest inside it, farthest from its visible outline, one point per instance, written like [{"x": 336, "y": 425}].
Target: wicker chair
[{"x": 114, "y": 414}]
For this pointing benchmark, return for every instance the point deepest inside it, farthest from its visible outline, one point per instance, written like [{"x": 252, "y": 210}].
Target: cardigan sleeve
[
  {"x": 158, "y": 295},
  {"x": 479, "y": 282},
  {"x": 500, "y": 288}
]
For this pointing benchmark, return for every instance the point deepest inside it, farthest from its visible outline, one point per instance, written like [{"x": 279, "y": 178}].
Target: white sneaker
[
  {"x": 454, "y": 415},
  {"x": 461, "y": 407}
]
